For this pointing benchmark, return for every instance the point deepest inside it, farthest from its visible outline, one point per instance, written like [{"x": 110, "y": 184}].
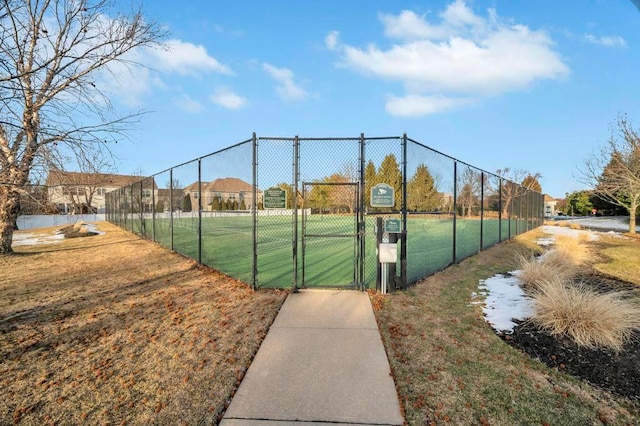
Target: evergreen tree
[
  {"x": 389, "y": 173},
  {"x": 369, "y": 181},
  {"x": 186, "y": 203},
  {"x": 243, "y": 205},
  {"x": 422, "y": 193},
  {"x": 579, "y": 203},
  {"x": 215, "y": 204}
]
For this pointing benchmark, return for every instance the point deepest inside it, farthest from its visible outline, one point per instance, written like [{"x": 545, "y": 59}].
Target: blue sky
[{"x": 532, "y": 85}]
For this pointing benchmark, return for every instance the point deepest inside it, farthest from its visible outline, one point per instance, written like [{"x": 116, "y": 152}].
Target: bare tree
[
  {"x": 515, "y": 183},
  {"x": 81, "y": 187},
  {"x": 52, "y": 53},
  {"x": 468, "y": 194},
  {"x": 614, "y": 170}
]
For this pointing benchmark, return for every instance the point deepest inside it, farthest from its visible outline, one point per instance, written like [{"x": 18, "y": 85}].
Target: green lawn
[{"x": 329, "y": 250}]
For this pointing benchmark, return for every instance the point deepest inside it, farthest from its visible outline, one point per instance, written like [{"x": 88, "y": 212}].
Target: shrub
[
  {"x": 588, "y": 318},
  {"x": 573, "y": 249},
  {"x": 552, "y": 265}
]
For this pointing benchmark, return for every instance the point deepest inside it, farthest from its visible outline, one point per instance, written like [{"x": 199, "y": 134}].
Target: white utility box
[{"x": 388, "y": 252}]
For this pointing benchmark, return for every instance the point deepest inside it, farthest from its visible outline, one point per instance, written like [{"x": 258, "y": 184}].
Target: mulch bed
[{"x": 618, "y": 372}]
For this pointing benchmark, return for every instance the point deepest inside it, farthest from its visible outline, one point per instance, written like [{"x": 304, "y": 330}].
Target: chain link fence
[{"x": 303, "y": 212}]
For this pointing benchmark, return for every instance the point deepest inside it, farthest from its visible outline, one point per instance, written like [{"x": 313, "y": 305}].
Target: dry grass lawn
[
  {"x": 589, "y": 318},
  {"x": 113, "y": 329},
  {"x": 451, "y": 368}
]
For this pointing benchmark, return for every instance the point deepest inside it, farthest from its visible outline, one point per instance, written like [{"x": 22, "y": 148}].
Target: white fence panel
[{"x": 47, "y": 220}]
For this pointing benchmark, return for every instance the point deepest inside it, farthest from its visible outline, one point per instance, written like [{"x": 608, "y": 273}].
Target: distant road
[{"x": 604, "y": 223}]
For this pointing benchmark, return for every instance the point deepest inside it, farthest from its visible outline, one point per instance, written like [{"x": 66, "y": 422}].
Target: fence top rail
[
  {"x": 332, "y": 138},
  {"x": 199, "y": 158},
  {"x": 362, "y": 137},
  {"x": 467, "y": 164}
]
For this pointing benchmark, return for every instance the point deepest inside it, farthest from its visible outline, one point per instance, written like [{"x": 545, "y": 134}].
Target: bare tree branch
[
  {"x": 614, "y": 170},
  {"x": 52, "y": 52}
]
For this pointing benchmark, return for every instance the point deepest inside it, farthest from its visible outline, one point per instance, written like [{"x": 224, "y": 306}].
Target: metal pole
[
  {"x": 153, "y": 208},
  {"x": 361, "y": 218},
  {"x": 510, "y": 207},
  {"x": 171, "y": 209},
  {"x": 199, "y": 211},
  {"x": 254, "y": 272},
  {"x": 455, "y": 208},
  {"x": 481, "y": 210},
  {"x": 296, "y": 176},
  {"x": 379, "y": 271},
  {"x": 403, "y": 241},
  {"x": 500, "y": 209},
  {"x": 131, "y": 207},
  {"x": 143, "y": 230}
]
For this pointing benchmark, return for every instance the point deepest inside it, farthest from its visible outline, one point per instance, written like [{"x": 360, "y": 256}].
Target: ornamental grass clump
[
  {"x": 573, "y": 249},
  {"x": 534, "y": 270},
  {"x": 590, "y": 319},
  {"x": 562, "y": 262}
]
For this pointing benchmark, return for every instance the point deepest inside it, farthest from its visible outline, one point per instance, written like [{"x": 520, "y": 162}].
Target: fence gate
[{"x": 331, "y": 249}]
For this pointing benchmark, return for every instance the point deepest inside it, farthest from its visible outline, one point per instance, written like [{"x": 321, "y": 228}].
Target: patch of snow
[
  {"x": 563, "y": 230},
  {"x": 32, "y": 239},
  {"x": 29, "y": 239},
  {"x": 505, "y": 302},
  {"x": 608, "y": 223},
  {"x": 545, "y": 241},
  {"x": 93, "y": 228}
]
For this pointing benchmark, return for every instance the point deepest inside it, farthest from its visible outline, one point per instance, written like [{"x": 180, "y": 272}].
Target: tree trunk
[
  {"x": 633, "y": 209},
  {"x": 9, "y": 208}
]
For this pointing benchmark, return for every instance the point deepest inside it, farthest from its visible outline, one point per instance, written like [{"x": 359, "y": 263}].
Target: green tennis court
[{"x": 227, "y": 245}]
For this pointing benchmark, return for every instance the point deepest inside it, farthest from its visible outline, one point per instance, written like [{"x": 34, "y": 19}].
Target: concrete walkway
[{"x": 321, "y": 362}]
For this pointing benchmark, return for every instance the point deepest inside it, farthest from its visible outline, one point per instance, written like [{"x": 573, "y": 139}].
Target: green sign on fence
[
  {"x": 392, "y": 225},
  {"x": 382, "y": 195},
  {"x": 275, "y": 198}
]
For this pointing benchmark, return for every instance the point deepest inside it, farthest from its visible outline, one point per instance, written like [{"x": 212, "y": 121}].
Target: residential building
[
  {"x": 77, "y": 192},
  {"x": 230, "y": 191},
  {"x": 549, "y": 206}
]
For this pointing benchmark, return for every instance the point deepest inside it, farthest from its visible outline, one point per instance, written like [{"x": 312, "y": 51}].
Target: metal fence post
[
  {"x": 153, "y": 208},
  {"x": 254, "y": 231},
  {"x": 296, "y": 177},
  {"x": 510, "y": 210},
  {"x": 199, "y": 211},
  {"x": 455, "y": 209},
  {"x": 361, "y": 219},
  {"x": 481, "y": 210},
  {"x": 142, "y": 229},
  {"x": 500, "y": 209},
  {"x": 131, "y": 207},
  {"x": 403, "y": 241},
  {"x": 171, "y": 207}
]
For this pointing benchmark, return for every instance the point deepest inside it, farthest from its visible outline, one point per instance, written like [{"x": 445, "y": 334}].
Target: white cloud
[
  {"x": 186, "y": 58},
  {"x": 228, "y": 99},
  {"x": 462, "y": 54},
  {"x": 286, "y": 88},
  {"x": 606, "y": 41},
  {"x": 186, "y": 103},
  {"x": 416, "y": 105},
  {"x": 332, "y": 40}
]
